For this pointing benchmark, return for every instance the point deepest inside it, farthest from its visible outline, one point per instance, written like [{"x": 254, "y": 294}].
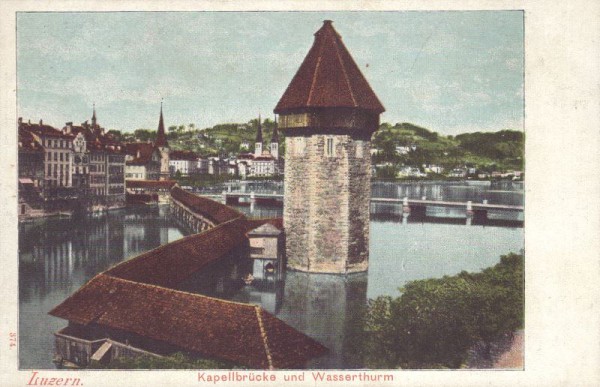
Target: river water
[{"x": 57, "y": 256}]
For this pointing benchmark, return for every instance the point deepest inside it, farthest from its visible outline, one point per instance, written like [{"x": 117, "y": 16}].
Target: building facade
[
  {"x": 328, "y": 114},
  {"x": 183, "y": 162}
]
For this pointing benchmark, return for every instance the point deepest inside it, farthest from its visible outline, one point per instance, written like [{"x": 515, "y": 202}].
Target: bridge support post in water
[
  {"x": 469, "y": 213},
  {"x": 252, "y": 201},
  {"x": 224, "y": 197},
  {"x": 480, "y": 216},
  {"x": 405, "y": 206}
]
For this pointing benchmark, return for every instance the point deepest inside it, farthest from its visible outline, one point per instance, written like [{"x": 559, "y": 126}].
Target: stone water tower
[{"x": 328, "y": 114}]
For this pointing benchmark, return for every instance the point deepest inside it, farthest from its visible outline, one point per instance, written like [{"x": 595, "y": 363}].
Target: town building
[
  {"x": 57, "y": 156},
  {"x": 149, "y": 161},
  {"x": 142, "y": 161},
  {"x": 31, "y": 173},
  {"x": 202, "y": 166},
  {"x": 184, "y": 163},
  {"x": 328, "y": 114},
  {"x": 265, "y": 161}
]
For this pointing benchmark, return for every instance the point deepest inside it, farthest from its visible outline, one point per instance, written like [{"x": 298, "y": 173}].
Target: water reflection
[{"x": 57, "y": 256}]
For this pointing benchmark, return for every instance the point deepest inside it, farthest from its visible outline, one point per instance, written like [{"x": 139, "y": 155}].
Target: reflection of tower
[
  {"x": 328, "y": 114},
  {"x": 163, "y": 147},
  {"x": 327, "y": 308},
  {"x": 258, "y": 143}
]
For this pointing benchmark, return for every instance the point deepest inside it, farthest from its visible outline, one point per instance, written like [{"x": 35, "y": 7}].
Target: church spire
[
  {"x": 259, "y": 132},
  {"x": 161, "y": 138},
  {"x": 259, "y": 140},
  {"x": 94, "y": 116},
  {"x": 275, "y": 136}
]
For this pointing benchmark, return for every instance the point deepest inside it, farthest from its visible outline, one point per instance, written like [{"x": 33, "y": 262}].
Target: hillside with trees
[{"x": 485, "y": 151}]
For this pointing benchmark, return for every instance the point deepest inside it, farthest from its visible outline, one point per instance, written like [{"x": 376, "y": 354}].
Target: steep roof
[
  {"x": 183, "y": 155},
  {"x": 241, "y": 333},
  {"x": 328, "y": 77},
  {"x": 209, "y": 208},
  {"x": 141, "y": 152},
  {"x": 266, "y": 229},
  {"x": 161, "y": 137}
]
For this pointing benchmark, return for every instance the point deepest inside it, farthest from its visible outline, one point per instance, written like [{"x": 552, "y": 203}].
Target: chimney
[
  {"x": 69, "y": 126},
  {"x": 20, "y": 120},
  {"x": 41, "y": 122}
]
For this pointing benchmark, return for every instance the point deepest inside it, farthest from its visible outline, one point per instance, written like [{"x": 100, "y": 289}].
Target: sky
[{"x": 451, "y": 72}]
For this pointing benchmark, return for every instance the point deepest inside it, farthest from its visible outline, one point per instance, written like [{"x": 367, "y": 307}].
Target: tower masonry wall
[{"x": 326, "y": 206}]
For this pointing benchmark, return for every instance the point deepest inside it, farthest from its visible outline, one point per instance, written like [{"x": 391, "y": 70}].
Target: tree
[
  {"x": 175, "y": 361},
  {"x": 435, "y": 322}
]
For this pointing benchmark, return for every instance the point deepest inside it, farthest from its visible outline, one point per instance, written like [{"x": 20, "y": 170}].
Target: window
[
  {"x": 55, "y": 157},
  {"x": 66, "y": 157},
  {"x": 329, "y": 149},
  {"x": 60, "y": 156},
  {"x": 359, "y": 149}
]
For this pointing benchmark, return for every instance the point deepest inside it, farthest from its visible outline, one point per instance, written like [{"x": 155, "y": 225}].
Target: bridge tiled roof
[
  {"x": 241, "y": 333},
  {"x": 171, "y": 264},
  {"x": 209, "y": 208},
  {"x": 150, "y": 184}
]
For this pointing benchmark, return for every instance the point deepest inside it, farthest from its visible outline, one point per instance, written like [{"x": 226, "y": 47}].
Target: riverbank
[{"x": 41, "y": 214}]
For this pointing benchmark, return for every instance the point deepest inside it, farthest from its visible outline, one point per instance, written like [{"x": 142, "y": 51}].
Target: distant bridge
[{"x": 414, "y": 206}]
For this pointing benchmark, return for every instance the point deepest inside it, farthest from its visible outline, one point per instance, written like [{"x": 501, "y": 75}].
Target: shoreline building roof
[{"x": 328, "y": 78}]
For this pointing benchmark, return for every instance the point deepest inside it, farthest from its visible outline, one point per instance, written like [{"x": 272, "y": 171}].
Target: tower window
[
  {"x": 359, "y": 149},
  {"x": 329, "y": 149}
]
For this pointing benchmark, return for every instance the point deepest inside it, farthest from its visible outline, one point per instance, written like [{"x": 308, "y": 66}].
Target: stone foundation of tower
[{"x": 327, "y": 199}]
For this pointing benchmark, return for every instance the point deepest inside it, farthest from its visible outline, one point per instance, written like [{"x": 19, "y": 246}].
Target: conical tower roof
[
  {"x": 161, "y": 137},
  {"x": 328, "y": 78}
]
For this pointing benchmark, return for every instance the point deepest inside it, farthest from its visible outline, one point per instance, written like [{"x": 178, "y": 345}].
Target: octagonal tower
[{"x": 328, "y": 114}]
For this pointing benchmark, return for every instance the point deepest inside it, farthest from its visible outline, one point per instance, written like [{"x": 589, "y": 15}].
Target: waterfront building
[
  {"x": 57, "y": 158},
  {"x": 263, "y": 166},
  {"x": 115, "y": 175},
  {"x": 183, "y": 162},
  {"x": 31, "y": 173},
  {"x": 98, "y": 164},
  {"x": 142, "y": 161},
  {"x": 328, "y": 114},
  {"x": 31, "y": 159},
  {"x": 81, "y": 162}
]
